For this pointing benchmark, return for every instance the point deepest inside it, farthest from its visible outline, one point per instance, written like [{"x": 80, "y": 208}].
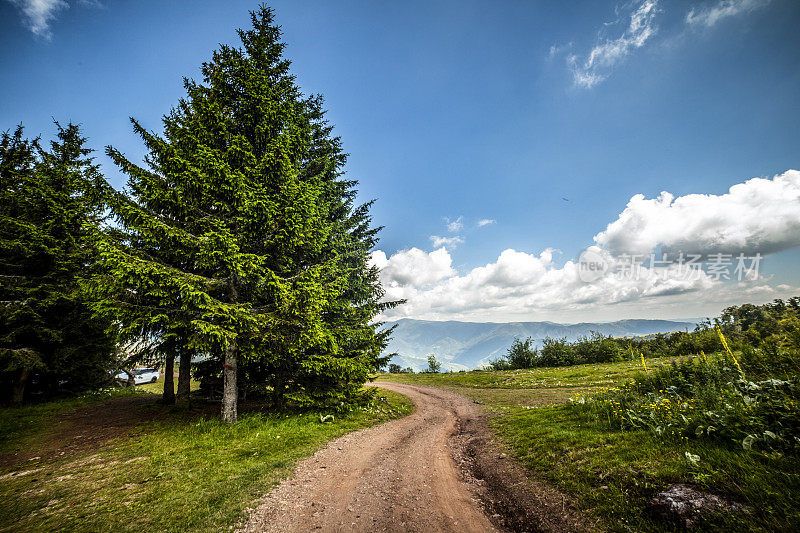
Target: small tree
[
  {"x": 434, "y": 366},
  {"x": 394, "y": 368}
]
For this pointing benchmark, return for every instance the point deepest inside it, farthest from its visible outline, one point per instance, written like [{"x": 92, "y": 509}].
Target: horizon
[
  {"x": 509, "y": 148},
  {"x": 675, "y": 320}
]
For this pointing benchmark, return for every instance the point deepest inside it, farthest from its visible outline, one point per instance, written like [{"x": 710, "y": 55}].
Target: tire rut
[{"x": 402, "y": 476}]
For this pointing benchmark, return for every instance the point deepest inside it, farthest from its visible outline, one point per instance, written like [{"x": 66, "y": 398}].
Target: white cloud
[
  {"x": 721, "y": 10},
  {"x": 608, "y": 52},
  {"x": 452, "y": 242},
  {"x": 412, "y": 267},
  {"x": 486, "y": 222},
  {"x": 454, "y": 225},
  {"x": 520, "y": 285},
  {"x": 759, "y": 215},
  {"x": 37, "y": 14}
]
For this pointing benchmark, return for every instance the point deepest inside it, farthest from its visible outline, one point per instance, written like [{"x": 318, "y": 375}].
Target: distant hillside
[{"x": 467, "y": 345}]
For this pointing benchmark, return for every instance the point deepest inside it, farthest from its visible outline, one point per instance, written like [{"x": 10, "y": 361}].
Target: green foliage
[
  {"x": 749, "y": 401},
  {"x": 240, "y": 235},
  {"x": 707, "y": 399},
  {"x": 49, "y": 211},
  {"x": 556, "y": 352},
  {"x": 434, "y": 366},
  {"x": 598, "y": 349},
  {"x": 521, "y": 354},
  {"x": 593, "y": 349},
  {"x": 767, "y": 327}
]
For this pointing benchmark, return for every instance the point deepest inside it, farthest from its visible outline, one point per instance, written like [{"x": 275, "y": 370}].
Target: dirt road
[{"x": 399, "y": 476}]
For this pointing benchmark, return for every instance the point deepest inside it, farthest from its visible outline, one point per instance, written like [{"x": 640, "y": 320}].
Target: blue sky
[{"x": 545, "y": 118}]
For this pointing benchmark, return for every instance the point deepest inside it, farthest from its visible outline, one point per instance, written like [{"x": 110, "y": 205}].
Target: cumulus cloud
[
  {"x": 759, "y": 215},
  {"x": 608, "y": 52},
  {"x": 486, "y": 222},
  {"x": 37, "y": 14},
  {"x": 452, "y": 242},
  {"x": 723, "y": 9},
  {"x": 520, "y": 284},
  {"x": 412, "y": 267}
]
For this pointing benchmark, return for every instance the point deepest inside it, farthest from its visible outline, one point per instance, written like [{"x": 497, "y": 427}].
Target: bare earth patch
[
  {"x": 435, "y": 470},
  {"x": 86, "y": 429}
]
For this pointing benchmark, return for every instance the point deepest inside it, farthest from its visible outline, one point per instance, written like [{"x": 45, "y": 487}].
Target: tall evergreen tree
[
  {"x": 50, "y": 209},
  {"x": 239, "y": 234}
]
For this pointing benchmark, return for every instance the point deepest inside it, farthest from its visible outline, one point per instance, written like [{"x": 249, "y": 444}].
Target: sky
[{"x": 563, "y": 161}]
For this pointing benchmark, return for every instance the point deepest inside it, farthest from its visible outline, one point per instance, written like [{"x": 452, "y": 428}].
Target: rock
[{"x": 685, "y": 505}]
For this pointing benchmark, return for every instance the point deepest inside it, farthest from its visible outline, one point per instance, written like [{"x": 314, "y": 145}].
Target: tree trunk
[
  {"x": 277, "y": 392},
  {"x": 18, "y": 392},
  {"x": 169, "y": 386},
  {"x": 230, "y": 390},
  {"x": 184, "y": 379}
]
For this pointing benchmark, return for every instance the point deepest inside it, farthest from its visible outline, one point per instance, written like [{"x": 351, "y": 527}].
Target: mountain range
[{"x": 467, "y": 345}]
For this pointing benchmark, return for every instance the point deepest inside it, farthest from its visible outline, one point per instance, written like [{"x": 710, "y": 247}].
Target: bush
[
  {"x": 598, "y": 349},
  {"x": 556, "y": 352},
  {"x": 522, "y": 354},
  {"x": 741, "y": 403}
]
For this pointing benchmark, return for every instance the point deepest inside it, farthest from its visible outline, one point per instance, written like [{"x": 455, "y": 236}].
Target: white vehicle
[{"x": 140, "y": 375}]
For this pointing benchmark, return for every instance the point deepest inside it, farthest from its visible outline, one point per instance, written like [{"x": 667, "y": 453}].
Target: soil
[
  {"x": 86, "y": 429},
  {"x": 438, "y": 469}
]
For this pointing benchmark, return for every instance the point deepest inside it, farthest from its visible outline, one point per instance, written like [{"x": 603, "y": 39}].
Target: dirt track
[
  {"x": 399, "y": 476},
  {"x": 439, "y": 469}
]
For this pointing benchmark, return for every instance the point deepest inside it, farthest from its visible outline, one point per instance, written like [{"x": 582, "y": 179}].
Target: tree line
[
  {"x": 238, "y": 238},
  {"x": 766, "y": 327}
]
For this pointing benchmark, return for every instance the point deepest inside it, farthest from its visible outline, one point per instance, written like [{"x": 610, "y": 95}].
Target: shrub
[
  {"x": 711, "y": 398},
  {"x": 522, "y": 354},
  {"x": 597, "y": 348},
  {"x": 556, "y": 352}
]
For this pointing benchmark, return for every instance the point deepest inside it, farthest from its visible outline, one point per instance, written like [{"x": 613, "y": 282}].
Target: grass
[
  {"x": 158, "y": 386},
  {"x": 175, "y": 473},
  {"x": 514, "y": 389},
  {"x": 20, "y": 426},
  {"x": 614, "y": 473}
]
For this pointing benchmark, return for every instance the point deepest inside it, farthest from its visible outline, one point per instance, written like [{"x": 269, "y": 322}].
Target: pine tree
[
  {"x": 50, "y": 208},
  {"x": 238, "y": 236}
]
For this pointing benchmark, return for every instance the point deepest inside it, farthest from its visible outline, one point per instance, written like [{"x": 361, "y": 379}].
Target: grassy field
[
  {"x": 614, "y": 473},
  {"x": 171, "y": 471},
  {"x": 523, "y": 389}
]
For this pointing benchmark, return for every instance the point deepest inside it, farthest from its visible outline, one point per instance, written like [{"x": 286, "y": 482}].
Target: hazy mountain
[{"x": 460, "y": 345}]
